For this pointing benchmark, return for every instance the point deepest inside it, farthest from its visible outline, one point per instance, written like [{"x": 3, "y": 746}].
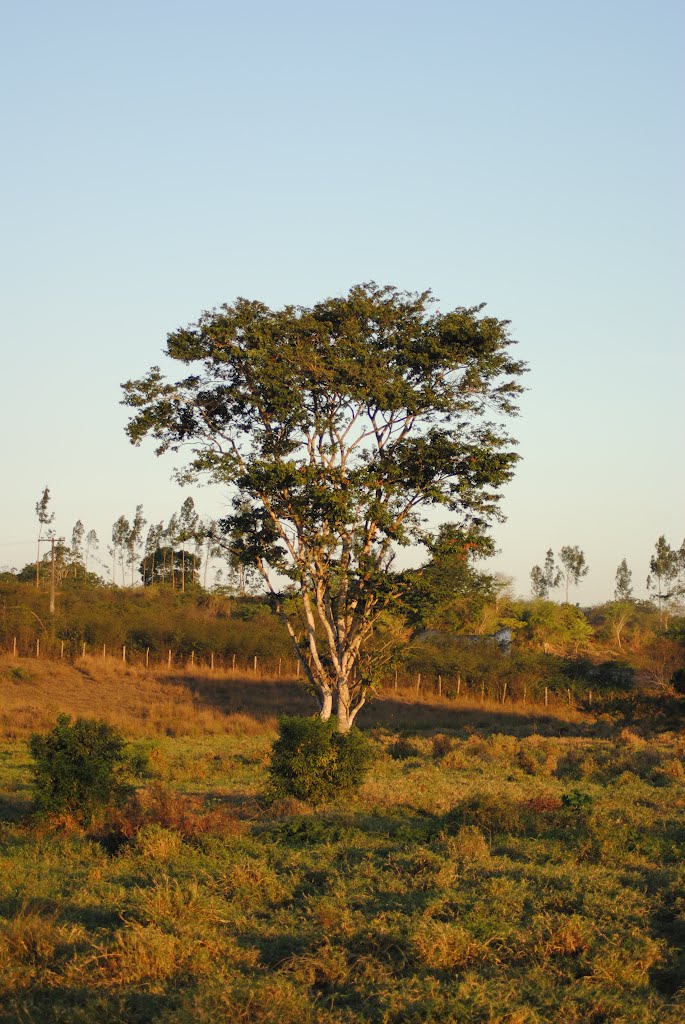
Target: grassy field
[{"x": 458, "y": 885}]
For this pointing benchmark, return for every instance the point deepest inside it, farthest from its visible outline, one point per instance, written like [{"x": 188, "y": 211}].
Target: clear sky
[{"x": 163, "y": 157}]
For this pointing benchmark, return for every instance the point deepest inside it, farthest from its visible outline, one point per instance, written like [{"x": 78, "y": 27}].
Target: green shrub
[
  {"x": 78, "y": 768},
  {"x": 312, "y": 761},
  {"x": 21, "y": 675},
  {"x": 576, "y": 799}
]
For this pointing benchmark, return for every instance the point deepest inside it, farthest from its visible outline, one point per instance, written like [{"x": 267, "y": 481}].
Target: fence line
[{"x": 278, "y": 667}]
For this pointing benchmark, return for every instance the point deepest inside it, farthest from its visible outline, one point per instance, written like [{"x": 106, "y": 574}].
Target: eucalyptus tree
[
  {"x": 663, "y": 573},
  {"x": 171, "y": 536},
  {"x": 187, "y": 528},
  {"x": 623, "y": 591},
  {"x": 77, "y": 535},
  {"x": 133, "y": 539},
  {"x": 212, "y": 546},
  {"x": 45, "y": 518},
  {"x": 545, "y": 578},
  {"x": 575, "y": 567},
  {"x": 153, "y": 543},
  {"x": 120, "y": 531},
  {"x": 92, "y": 544},
  {"x": 339, "y": 425}
]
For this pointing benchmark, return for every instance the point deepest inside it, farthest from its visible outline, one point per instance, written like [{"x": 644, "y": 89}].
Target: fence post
[
  {"x": 439, "y": 685},
  {"x": 458, "y": 683},
  {"x": 279, "y": 668},
  {"x": 211, "y": 661},
  {"x": 104, "y": 651},
  {"x": 61, "y": 649},
  {"x": 169, "y": 660},
  {"x": 546, "y": 697},
  {"x": 482, "y": 692},
  {"x": 37, "y": 646},
  {"x": 14, "y": 647},
  {"x": 233, "y": 663},
  {"x": 123, "y": 653},
  {"x": 395, "y": 678},
  {"x": 569, "y": 697},
  {"x": 83, "y": 651},
  {"x": 192, "y": 658},
  {"x": 504, "y": 692},
  {"x": 418, "y": 682},
  {"x": 254, "y": 665}
]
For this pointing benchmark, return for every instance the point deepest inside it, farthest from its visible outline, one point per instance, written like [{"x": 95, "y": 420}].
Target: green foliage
[
  {"x": 624, "y": 582},
  {"x": 448, "y": 591},
  {"x": 562, "y": 625},
  {"x": 545, "y": 578},
  {"x": 19, "y": 674},
  {"x": 576, "y": 800},
  {"x": 78, "y": 767},
  {"x": 312, "y": 761},
  {"x": 338, "y": 425},
  {"x": 429, "y": 898},
  {"x": 575, "y": 565},
  {"x": 155, "y": 617}
]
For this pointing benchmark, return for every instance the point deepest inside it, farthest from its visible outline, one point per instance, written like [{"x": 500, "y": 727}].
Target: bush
[
  {"x": 312, "y": 761},
  {"x": 78, "y": 768}
]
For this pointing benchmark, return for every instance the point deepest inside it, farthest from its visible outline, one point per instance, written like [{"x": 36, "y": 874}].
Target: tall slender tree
[
  {"x": 77, "y": 535},
  {"x": 92, "y": 544},
  {"x": 187, "y": 526},
  {"x": 45, "y": 519},
  {"x": 120, "y": 531},
  {"x": 545, "y": 578},
  {"x": 623, "y": 591},
  {"x": 134, "y": 539},
  {"x": 575, "y": 566},
  {"x": 663, "y": 572}
]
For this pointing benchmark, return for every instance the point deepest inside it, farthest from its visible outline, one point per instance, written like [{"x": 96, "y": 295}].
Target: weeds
[{"x": 457, "y": 884}]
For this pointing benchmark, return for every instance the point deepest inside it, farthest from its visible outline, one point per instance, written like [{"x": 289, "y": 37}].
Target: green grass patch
[{"x": 457, "y": 884}]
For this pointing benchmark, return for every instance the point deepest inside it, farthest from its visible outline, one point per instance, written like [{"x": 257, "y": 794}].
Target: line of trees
[{"x": 177, "y": 554}]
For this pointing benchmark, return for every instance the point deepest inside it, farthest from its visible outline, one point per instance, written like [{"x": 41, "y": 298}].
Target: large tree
[{"x": 339, "y": 426}]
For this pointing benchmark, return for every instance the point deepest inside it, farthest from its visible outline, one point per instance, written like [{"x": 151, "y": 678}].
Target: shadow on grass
[
  {"x": 90, "y": 915},
  {"x": 264, "y": 699},
  {"x": 63, "y": 1003}
]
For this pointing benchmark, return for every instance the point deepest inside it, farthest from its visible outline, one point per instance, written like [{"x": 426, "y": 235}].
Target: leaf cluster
[
  {"x": 78, "y": 768},
  {"x": 312, "y": 761}
]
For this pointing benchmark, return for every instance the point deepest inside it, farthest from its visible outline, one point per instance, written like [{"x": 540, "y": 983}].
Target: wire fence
[{"x": 421, "y": 685}]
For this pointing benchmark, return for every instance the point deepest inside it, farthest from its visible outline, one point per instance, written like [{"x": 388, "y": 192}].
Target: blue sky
[{"x": 162, "y": 158}]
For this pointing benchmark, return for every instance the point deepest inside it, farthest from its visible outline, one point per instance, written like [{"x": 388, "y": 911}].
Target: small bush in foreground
[
  {"x": 78, "y": 768},
  {"x": 312, "y": 761}
]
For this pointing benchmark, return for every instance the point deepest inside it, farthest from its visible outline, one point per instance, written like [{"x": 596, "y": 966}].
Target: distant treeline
[{"x": 615, "y": 647}]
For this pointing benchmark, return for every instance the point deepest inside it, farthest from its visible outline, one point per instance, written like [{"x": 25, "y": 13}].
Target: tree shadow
[{"x": 264, "y": 699}]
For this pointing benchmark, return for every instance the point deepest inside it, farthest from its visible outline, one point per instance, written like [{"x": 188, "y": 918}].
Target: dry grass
[
  {"x": 139, "y": 702},
  {"x": 456, "y": 885},
  {"x": 168, "y": 702}
]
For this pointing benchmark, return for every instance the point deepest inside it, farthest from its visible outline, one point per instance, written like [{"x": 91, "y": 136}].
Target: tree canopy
[{"x": 338, "y": 425}]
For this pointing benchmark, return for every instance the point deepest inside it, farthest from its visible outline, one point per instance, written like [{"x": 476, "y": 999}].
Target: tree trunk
[
  {"x": 347, "y": 710},
  {"x": 326, "y": 705}
]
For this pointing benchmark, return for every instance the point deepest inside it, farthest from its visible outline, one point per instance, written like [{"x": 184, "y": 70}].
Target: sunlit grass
[{"x": 496, "y": 867}]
